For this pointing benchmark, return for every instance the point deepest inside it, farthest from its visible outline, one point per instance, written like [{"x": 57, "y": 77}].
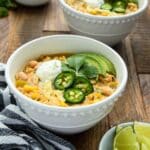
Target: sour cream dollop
[
  {"x": 94, "y": 3},
  {"x": 49, "y": 70}
]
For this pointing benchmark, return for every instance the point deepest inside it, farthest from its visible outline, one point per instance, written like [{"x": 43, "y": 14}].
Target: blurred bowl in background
[
  {"x": 32, "y": 2},
  {"x": 108, "y": 29}
]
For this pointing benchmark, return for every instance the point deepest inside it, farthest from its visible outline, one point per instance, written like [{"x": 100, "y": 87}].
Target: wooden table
[{"x": 26, "y": 24}]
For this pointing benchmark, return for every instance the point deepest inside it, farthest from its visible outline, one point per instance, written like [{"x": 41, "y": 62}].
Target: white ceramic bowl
[
  {"x": 107, "y": 140},
  {"x": 32, "y": 2},
  {"x": 71, "y": 119},
  {"x": 109, "y": 29}
]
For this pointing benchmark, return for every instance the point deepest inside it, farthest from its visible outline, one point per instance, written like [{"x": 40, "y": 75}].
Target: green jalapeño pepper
[
  {"x": 74, "y": 96},
  {"x": 119, "y": 6},
  {"x": 83, "y": 84},
  {"x": 106, "y": 6},
  {"x": 64, "y": 80},
  {"x": 119, "y": 10}
]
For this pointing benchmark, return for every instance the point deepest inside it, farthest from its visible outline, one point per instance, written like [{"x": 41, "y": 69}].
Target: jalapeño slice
[
  {"x": 119, "y": 10},
  {"x": 64, "y": 80},
  {"x": 106, "y": 6},
  {"x": 74, "y": 96},
  {"x": 83, "y": 84},
  {"x": 119, "y": 6}
]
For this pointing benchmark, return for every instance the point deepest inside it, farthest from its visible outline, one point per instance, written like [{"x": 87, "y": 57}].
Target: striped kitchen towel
[{"x": 19, "y": 132}]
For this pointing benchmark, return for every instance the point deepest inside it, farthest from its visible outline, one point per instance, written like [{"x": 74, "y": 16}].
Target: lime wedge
[
  {"x": 128, "y": 147},
  {"x": 143, "y": 134},
  {"x": 144, "y": 147},
  {"x": 125, "y": 136},
  {"x": 144, "y": 140},
  {"x": 125, "y": 139},
  {"x": 132, "y": 137},
  {"x": 142, "y": 129}
]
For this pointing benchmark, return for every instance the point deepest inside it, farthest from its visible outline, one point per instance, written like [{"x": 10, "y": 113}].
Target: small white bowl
[
  {"x": 32, "y": 2},
  {"x": 107, "y": 140},
  {"x": 108, "y": 29},
  {"x": 69, "y": 119}
]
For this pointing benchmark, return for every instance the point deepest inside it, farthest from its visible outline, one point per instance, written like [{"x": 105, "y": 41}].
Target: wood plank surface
[
  {"x": 140, "y": 38},
  {"x": 145, "y": 86},
  {"x": 133, "y": 107},
  {"x": 26, "y": 24},
  {"x": 55, "y": 20},
  {"x": 4, "y": 31}
]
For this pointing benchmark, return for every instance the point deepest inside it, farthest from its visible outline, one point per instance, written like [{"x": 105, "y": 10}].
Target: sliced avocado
[
  {"x": 110, "y": 65},
  {"x": 103, "y": 62},
  {"x": 92, "y": 62},
  {"x": 89, "y": 61}
]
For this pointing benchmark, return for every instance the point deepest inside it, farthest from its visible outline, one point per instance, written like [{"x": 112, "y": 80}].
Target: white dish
[
  {"x": 71, "y": 119},
  {"x": 109, "y": 29},
  {"x": 32, "y": 2}
]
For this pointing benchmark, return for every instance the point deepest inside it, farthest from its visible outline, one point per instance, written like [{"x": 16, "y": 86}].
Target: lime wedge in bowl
[
  {"x": 142, "y": 132},
  {"x": 127, "y": 136},
  {"x": 107, "y": 140},
  {"x": 142, "y": 129},
  {"x": 125, "y": 139},
  {"x": 144, "y": 147},
  {"x": 143, "y": 140},
  {"x": 128, "y": 147}
]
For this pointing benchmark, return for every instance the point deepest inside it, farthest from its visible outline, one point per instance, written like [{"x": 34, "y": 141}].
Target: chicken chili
[
  {"x": 104, "y": 8},
  {"x": 68, "y": 80}
]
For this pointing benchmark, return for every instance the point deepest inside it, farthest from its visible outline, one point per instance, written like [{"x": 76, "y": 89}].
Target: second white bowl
[
  {"x": 32, "y": 2},
  {"x": 108, "y": 29}
]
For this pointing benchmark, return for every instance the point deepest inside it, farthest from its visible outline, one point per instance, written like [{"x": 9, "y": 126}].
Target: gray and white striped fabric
[{"x": 19, "y": 132}]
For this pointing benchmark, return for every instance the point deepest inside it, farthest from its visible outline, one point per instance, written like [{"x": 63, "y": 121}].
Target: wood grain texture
[
  {"x": 132, "y": 107},
  {"x": 25, "y": 24},
  {"x": 4, "y": 31},
  {"x": 55, "y": 20},
  {"x": 90, "y": 139},
  {"x": 140, "y": 38},
  {"x": 145, "y": 86}
]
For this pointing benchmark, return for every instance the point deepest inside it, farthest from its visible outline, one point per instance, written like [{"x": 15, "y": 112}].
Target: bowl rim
[
  {"x": 116, "y": 94},
  {"x": 113, "y": 129},
  {"x": 139, "y": 11}
]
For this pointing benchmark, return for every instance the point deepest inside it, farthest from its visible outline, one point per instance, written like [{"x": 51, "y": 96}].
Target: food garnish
[
  {"x": 85, "y": 66},
  {"x": 74, "y": 96},
  {"x": 64, "y": 80}
]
